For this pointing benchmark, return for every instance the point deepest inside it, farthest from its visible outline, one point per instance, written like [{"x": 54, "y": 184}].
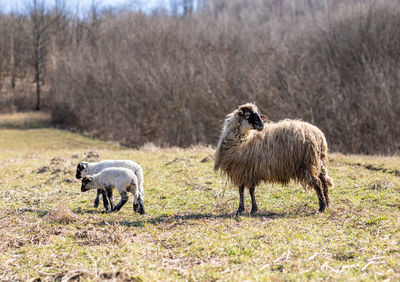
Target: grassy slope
[{"x": 49, "y": 229}]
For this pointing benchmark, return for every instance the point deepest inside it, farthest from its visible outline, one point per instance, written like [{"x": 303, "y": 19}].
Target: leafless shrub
[{"x": 169, "y": 79}]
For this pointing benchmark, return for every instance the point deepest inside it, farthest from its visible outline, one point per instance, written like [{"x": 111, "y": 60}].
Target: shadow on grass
[
  {"x": 21, "y": 121},
  {"x": 180, "y": 219},
  {"x": 40, "y": 213},
  {"x": 81, "y": 211},
  {"x": 26, "y": 125}
]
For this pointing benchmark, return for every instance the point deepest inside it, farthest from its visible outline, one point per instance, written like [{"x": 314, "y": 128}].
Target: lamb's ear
[
  {"x": 83, "y": 165},
  {"x": 86, "y": 179},
  {"x": 264, "y": 117}
]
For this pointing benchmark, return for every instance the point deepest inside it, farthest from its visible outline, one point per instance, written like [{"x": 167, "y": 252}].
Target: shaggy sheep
[
  {"x": 85, "y": 168},
  {"x": 250, "y": 151},
  {"x": 123, "y": 179}
]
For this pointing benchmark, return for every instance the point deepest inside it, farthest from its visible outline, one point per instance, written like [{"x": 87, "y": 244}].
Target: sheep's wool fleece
[{"x": 282, "y": 151}]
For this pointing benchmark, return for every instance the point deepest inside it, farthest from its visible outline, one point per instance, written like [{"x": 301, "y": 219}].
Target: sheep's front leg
[
  {"x": 124, "y": 199},
  {"x": 254, "y": 207},
  {"x": 105, "y": 201},
  {"x": 97, "y": 200},
  {"x": 241, "y": 201}
]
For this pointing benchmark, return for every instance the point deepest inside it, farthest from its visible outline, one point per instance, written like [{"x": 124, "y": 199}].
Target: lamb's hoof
[
  {"x": 136, "y": 207},
  {"x": 106, "y": 211},
  {"x": 96, "y": 203},
  {"x": 321, "y": 209},
  {"x": 141, "y": 209},
  {"x": 253, "y": 212}
]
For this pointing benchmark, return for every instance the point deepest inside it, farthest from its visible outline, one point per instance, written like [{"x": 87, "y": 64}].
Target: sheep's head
[
  {"x": 86, "y": 183},
  {"x": 249, "y": 117},
  {"x": 80, "y": 170}
]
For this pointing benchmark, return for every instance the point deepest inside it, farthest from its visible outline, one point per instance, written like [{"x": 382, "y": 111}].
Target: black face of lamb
[
  {"x": 78, "y": 172},
  {"x": 83, "y": 188},
  {"x": 255, "y": 120},
  {"x": 84, "y": 182}
]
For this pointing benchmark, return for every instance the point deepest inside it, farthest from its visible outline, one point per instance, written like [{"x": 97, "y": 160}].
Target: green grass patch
[{"x": 50, "y": 230}]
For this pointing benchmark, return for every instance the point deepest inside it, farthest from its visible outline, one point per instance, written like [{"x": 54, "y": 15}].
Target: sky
[{"x": 18, "y": 5}]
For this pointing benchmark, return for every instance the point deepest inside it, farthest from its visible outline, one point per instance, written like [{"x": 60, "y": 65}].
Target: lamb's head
[
  {"x": 249, "y": 117},
  {"x": 80, "y": 170},
  {"x": 86, "y": 184}
]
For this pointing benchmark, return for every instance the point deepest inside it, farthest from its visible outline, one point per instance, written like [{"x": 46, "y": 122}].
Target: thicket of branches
[{"x": 170, "y": 78}]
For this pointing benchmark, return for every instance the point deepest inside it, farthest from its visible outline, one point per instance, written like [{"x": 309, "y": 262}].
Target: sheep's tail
[{"x": 324, "y": 174}]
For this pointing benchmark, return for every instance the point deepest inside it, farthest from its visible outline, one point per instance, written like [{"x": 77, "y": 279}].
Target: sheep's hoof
[
  {"x": 107, "y": 211},
  {"x": 321, "y": 209},
  {"x": 96, "y": 203},
  {"x": 136, "y": 207},
  {"x": 253, "y": 211},
  {"x": 238, "y": 213}
]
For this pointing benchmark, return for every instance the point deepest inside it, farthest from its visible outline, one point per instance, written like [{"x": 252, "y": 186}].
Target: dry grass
[{"x": 50, "y": 230}]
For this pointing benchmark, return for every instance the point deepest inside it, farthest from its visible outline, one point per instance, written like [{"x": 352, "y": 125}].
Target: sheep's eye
[{"x": 247, "y": 115}]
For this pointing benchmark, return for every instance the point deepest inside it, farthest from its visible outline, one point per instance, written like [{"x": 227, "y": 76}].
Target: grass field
[{"x": 50, "y": 230}]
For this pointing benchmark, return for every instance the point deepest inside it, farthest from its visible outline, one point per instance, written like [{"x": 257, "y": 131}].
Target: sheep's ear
[
  {"x": 263, "y": 117},
  {"x": 243, "y": 113}
]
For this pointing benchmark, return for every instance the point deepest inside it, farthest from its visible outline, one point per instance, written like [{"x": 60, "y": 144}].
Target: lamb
[
  {"x": 250, "y": 151},
  {"x": 123, "y": 179},
  {"x": 86, "y": 168}
]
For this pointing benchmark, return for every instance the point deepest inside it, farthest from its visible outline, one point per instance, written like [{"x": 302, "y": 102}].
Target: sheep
[
  {"x": 86, "y": 168},
  {"x": 123, "y": 179},
  {"x": 250, "y": 151}
]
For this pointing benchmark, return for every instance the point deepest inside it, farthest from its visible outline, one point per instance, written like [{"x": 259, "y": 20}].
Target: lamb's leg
[
  {"x": 141, "y": 206},
  {"x": 110, "y": 197},
  {"x": 122, "y": 202},
  {"x": 97, "y": 200},
  {"x": 105, "y": 201},
  {"x": 254, "y": 207},
  {"x": 241, "y": 201}
]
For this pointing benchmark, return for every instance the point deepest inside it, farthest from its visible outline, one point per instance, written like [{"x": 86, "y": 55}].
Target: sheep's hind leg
[
  {"x": 122, "y": 202},
  {"x": 106, "y": 204},
  {"x": 317, "y": 185},
  {"x": 325, "y": 189},
  {"x": 241, "y": 201},
  {"x": 254, "y": 207},
  {"x": 97, "y": 200}
]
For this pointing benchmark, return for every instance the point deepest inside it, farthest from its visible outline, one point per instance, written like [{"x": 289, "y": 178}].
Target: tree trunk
[{"x": 37, "y": 70}]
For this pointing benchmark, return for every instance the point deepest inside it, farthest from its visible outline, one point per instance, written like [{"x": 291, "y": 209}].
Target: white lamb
[
  {"x": 123, "y": 179},
  {"x": 86, "y": 168}
]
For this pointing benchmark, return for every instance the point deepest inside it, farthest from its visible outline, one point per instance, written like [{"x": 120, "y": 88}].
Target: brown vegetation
[{"x": 169, "y": 79}]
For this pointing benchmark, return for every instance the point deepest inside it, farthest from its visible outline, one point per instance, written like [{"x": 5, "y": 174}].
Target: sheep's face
[
  {"x": 86, "y": 183},
  {"x": 250, "y": 118},
  {"x": 80, "y": 170}
]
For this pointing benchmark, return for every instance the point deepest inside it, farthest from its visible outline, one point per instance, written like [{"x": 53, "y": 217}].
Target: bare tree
[{"x": 42, "y": 20}]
